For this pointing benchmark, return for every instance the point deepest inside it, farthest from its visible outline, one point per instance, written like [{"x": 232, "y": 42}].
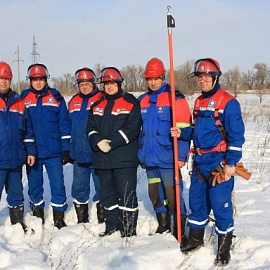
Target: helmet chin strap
[{"x": 215, "y": 81}]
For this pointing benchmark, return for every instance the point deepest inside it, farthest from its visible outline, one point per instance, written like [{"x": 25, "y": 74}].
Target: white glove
[{"x": 104, "y": 145}]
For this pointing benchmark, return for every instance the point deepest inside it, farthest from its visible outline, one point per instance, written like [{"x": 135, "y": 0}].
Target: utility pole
[
  {"x": 18, "y": 62},
  {"x": 34, "y": 52}
]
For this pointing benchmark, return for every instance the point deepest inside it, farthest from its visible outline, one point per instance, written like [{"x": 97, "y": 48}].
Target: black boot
[
  {"x": 100, "y": 213},
  {"x": 38, "y": 212},
  {"x": 194, "y": 241},
  {"x": 16, "y": 216},
  {"x": 82, "y": 212},
  {"x": 164, "y": 222},
  {"x": 224, "y": 245},
  {"x": 183, "y": 227},
  {"x": 58, "y": 219}
]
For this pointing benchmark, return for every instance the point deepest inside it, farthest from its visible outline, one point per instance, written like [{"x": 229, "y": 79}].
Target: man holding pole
[
  {"x": 156, "y": 145},
  {"x": 218, "y": 136}
]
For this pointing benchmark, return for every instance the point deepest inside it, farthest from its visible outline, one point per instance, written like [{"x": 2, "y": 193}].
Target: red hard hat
[
  {"x": 85, "y": 75},
  {"x": 207, "y": 65},
  {"x": 110, "y": 74},
  {"x": 5, "y": 71},
  {"x": 154, "y": 68},
  {"x": 37, "y": 71}
]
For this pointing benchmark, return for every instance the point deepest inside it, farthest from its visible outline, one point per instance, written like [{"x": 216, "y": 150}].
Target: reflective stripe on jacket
[{"x": 117, "y": 119}]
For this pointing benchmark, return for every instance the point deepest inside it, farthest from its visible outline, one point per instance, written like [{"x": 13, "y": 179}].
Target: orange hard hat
[
  {"x": 85, "y": 75},
  {"x": 207, "y": 65},
  {"x": 5, "y": 71},
  {"x": 37, "y": 71},
  {"x": 110, "y": 74},
  {"x": 154, "y": 68}
]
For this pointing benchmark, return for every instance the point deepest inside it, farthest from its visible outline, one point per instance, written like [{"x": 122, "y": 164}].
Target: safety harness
[{"x": 217, "y": 104}]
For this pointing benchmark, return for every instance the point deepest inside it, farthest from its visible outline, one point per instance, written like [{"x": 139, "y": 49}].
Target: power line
[
  {"x": 18, "y": 62},
  {"x": 34, "y": 52}
]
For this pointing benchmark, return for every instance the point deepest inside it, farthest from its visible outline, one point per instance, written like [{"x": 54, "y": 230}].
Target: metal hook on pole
[{"x": 170, "y": 19}]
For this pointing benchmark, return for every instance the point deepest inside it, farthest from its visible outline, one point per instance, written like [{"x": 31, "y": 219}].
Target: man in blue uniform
[
  {"x": 80, "y": 149},
  {"x": 51, "y": 125},
  {"x": 17, "y": 145},
  {"x": 218, "y": 136},
  {"x": 156, "y": 145}
]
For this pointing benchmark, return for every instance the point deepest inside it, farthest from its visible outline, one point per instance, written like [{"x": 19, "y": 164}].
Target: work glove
[
  {"x": 219, "y": 177},
  {"x": 241, "y": 171},
  {"x": 65, "y": 157},
  {"x": 104, "y": 145}
]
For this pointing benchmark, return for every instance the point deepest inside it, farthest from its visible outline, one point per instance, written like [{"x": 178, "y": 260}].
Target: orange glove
[
  {"x": 241, "y": 171},
  {"x": 219, "y": 177}
]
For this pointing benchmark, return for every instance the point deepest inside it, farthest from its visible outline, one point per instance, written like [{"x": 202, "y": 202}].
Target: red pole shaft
[{"x": 175, "y": 144}]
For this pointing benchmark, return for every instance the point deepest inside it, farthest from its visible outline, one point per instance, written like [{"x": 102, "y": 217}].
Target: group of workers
[{"x": 106, "y": 134}]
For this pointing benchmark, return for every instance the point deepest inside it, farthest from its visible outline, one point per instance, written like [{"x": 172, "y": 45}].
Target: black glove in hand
[{"x": 65, "y": 157}]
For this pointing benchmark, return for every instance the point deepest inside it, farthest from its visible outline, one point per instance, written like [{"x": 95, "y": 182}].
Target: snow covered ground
[{"x": 79, "y": 247}]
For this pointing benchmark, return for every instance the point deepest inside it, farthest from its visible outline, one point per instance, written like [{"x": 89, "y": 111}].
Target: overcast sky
[{"x": 71, "y": 34}]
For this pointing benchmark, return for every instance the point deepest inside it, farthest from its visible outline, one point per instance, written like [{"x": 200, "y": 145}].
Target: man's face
[
  {"x": 4, "y": 85},
  {"x": 205, "y": 82},
  {"x": 38, "y": 83},
  {"x": 154, "y": 83},
  {"x": 86, "y": 87},
  {"x": 110, "y": 88}
]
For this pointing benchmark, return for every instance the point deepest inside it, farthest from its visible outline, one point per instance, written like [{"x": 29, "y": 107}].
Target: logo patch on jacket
[
  {"x": 212, "y": 103},
  {"x": 99, "y": 110},
  {"x": 50, "y": 100},
  {"x": 143, "y": 110},
  {"x": 160, "y": 109}
]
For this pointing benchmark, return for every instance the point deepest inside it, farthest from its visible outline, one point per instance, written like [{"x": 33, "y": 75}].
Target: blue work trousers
[
  {"x": 80, "y": 189},
  {"x": 203, "y": 197},
  {"x": 11, "y": 179},
  {"x": 161, "y": 188},
  {"x": 54, "y": 170}
]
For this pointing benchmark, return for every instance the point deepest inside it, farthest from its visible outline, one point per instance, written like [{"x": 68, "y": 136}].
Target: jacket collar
[{"x": 154, "y": 94}]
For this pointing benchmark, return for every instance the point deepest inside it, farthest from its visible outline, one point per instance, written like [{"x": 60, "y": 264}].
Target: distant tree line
[{"x": 234, "y": 80}]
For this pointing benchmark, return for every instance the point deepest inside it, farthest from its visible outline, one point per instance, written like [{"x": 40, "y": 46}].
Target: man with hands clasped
[{"x": 113, "y": 129}]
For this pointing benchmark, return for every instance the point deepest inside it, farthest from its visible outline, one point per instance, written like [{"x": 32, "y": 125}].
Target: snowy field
[{"x": 79, "y": 246}]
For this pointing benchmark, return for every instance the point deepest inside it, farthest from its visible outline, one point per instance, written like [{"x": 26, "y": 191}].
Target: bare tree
[
  {"x": 182, "y": 83},
  {"x": 97, "y": 69},
  {"x": 248, "y": 79},
  {"x": 231, "y": 80},
  {"x": 133, "y": 78},
  {"x": 262, "y": 73},
  {"x": 64, "y": 84}
]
